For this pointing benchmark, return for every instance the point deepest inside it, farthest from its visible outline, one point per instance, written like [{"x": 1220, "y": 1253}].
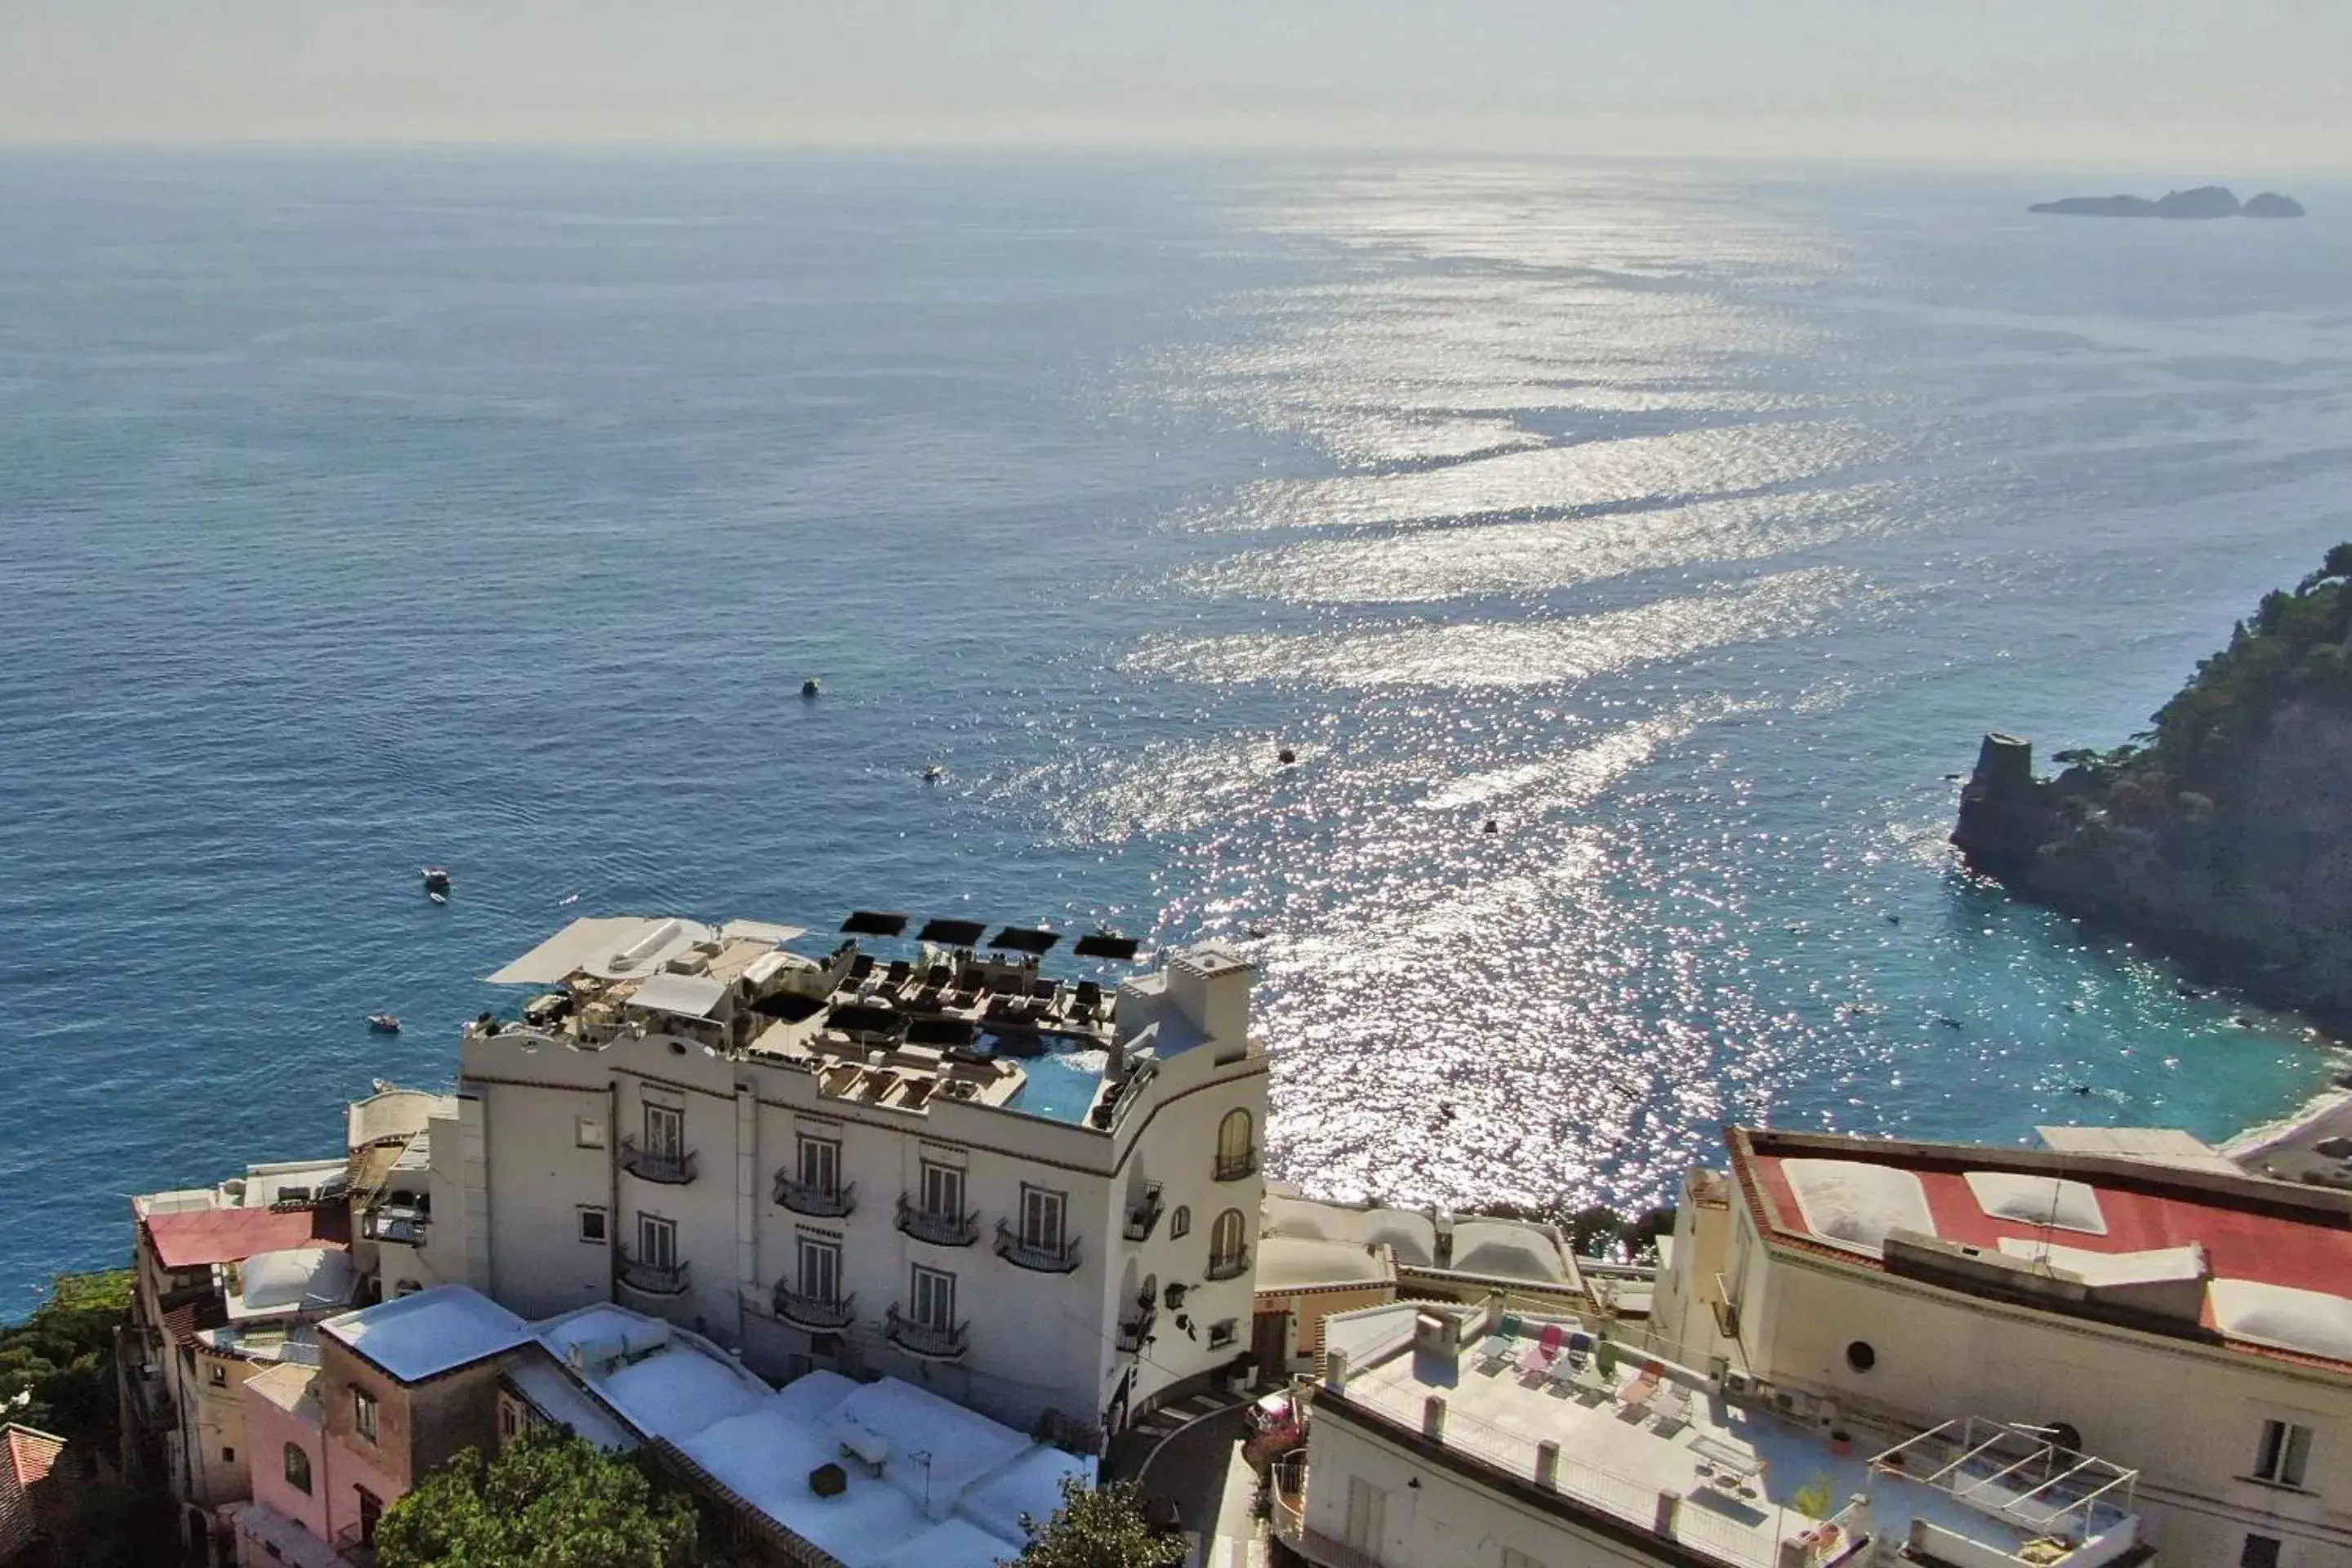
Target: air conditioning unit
[
  {"x": 1740, "y": 1385},
  {"x": 1789, "y": 1402}
]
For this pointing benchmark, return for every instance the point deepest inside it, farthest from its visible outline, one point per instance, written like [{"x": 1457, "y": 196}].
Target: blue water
[{"x": 362, "y": 511}]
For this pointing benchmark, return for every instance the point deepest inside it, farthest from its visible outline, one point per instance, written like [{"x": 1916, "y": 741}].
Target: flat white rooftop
[{"x": 1736, "y": 1469}]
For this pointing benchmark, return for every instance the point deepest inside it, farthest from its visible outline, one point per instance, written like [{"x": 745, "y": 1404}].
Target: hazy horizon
[{"x": 2206, "y": 90}]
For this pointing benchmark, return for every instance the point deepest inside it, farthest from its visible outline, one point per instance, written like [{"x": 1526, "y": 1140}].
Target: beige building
[
  {"x": 2131, "y": 1298},
  {"x": 1037, "y": 1197},
  {"x": 1479, "y": 1437}
]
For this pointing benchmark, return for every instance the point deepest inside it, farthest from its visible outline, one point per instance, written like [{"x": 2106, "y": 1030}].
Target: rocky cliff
[
  {"x": 2224, "y": 835},
  {"x": 2203, "y": 202}
]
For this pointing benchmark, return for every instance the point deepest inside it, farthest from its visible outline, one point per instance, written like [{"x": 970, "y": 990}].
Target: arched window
[
  {"x": 1228, "y": 1252},
  {"x": 1236, "y": 1148},
  {"x": 297, "y": 1468},
  {"x": 1180, "y": 1222}
]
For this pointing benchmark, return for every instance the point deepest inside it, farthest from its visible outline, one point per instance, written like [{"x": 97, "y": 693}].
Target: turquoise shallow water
[{"x": 359, "y": 513}]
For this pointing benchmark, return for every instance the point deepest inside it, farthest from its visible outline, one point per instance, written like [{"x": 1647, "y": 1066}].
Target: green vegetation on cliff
[
  {"x": 2223, "y": 834},
  {"x": 2295, "y": 650},
  {"x": 56, "y": 1367}
]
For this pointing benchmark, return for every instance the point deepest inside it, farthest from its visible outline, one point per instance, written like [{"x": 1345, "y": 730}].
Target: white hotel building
[{"x": 1035, "y": 1197}]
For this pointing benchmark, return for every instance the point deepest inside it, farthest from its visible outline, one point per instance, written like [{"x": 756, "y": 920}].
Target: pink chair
[{"x": 1539, "y": 1356}]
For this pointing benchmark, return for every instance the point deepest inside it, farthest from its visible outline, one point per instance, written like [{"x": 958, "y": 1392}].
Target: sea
[{"x": 1629, "y": 556}]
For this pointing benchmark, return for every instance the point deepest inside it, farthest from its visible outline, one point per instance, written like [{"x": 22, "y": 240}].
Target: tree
[
  {"x": 545, "y": 1502},
  {"x": 56, "y": 1367},
  {"x": 1099, "y": 1529}
]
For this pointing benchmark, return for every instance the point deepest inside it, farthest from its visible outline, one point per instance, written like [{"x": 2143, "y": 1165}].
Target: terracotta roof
[
  {"x": 196, "y": 1237},
  {"x": 33, "y": 1455}
]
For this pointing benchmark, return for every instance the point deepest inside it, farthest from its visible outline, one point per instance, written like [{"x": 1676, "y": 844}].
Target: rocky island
[
  {"x": 2203, "y": 202},
  {"x": 2223, "y": 836}
]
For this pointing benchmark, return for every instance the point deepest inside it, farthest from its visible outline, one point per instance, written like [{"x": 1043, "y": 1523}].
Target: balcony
[
  {"x": 654, "y": 1279},
  {"x": 1235, "y": 1167},
  {"x": 670, "y": 1167},
  {"x": 355, "y": 1543},
  {"x": 815, "y": 1313},
  {"x": 1136, "y": 1328},
  {"x": 925, "y": 1340},
  {"x": 817, "y": 1203},
  {"x": 1232, "y": 1266},
  {"x": 1144, "y": 1217},
  {"x": 1059, "y": 1257},
  {"x": 939, "y": 1229}
]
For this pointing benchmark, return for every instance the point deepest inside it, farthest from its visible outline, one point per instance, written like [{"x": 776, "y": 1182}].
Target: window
[
  {"x": 820, "y": 1164},
  {"x": 1040, "y": 1218},
  {"x": 819, "y": 1269},
  {"x": 228, "y": 1456},
  {"x": 509, "y": 1424},
  {"x": 405, "y": 1288},
  {"x": 588, "y": 1131},
  {"x": 656, "y": 1241},
  {"x": 363, "y": 1414},
  {"x": 1180, "y": 1222},
  {"x": 297, "y": 1468},
  {"x": 592, "y": 1226},
  {"x": 666, "y": 1131},
  {"x": 2284, "y": 1454},
  {"x": 933, "y": 1296},
  {"x": 1236, "y": 1156},
  {"x": 1860, "y": 1356},
  {"x": 216, "y": 1375},
  {"x": 1221, "y": 1334},
  {"x": 1225, "y": 1239},
  {"x": 2259, "y": 1551},
  {"x": 942, "y": 1190}
]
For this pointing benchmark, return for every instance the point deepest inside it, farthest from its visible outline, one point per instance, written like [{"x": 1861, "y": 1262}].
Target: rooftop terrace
[
  {"x": 1657, "y": 1448},
  {"x": 956, "y": 1019}
]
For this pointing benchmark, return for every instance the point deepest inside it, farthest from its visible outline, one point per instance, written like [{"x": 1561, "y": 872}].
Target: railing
[
  {"x": 929, "y": 1340},
  {"x": 1134, "y": 1331},
  {"x": 406, "y": 1226},
  {"x": 356, "y": 1545},
  {"x": 1233, "y": 1266},
  {"x": 654, "y": 1279},
  {"x": 1727, "y": 1311},
  {"x": 671, "y": 1167},
  {"x": 1057, "y": 1258},
  {"x": 939, "y": 1229},
  {"x": 1144, "y": 1217},
  {"x": 815, "y": 1312},
  {"x": 1234, "y": 1167},
  {"x": 816, "y": 1202}
]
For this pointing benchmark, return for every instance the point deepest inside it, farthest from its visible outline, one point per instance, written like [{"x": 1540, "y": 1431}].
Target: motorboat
[
  {"x": 384, "y": 1023},
  {"x": 436, "y": 879}
]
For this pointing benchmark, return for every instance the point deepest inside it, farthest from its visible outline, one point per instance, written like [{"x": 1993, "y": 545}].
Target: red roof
[
  {"x": 2246, "y": 1233},
  {"x": 32, "y": 1454},
  {"x": 194, "y": 1238}
]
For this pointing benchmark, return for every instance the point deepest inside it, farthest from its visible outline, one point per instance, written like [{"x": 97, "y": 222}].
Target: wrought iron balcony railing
[
  {"x": 671, "y": 1167},
  {"x": 1046, "y": 1258},
  {"x": 1231, "y": 1266},
  {"x": 1235, "y": 1167},
  {"x": 815, "y": 1313},
  {"x": 1144, "y": 1217},
  {"x": 835, "y": 1201},
  {"x": 939, "y": 1229},
  {"x": 928, "y": 1341},
  {"x": 654, "y": 1279}
]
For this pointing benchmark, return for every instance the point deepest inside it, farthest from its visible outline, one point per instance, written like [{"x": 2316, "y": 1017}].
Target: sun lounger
[
  {"x": 1637, "y": 1394},
  {"x": 1494, "y": 1351},
  {"x": 1670, "y": 1410}
]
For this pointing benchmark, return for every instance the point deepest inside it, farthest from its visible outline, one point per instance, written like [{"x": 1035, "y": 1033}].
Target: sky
[{"x": 2202, "y": 86}]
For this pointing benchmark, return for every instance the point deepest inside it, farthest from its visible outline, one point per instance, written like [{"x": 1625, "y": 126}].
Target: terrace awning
[
  {"x": 953, "y": 933},
  {"x": 874, "y": 922},
  {"x": 1023, "y": 939},
  {"x": 1103, "y": 945}
]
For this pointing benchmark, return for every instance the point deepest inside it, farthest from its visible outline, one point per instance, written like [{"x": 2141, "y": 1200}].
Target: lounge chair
[
  {"x": 1670, "y": 1411},
  {"x": 1636, "y": 1395},
  {"x": 1494, "y": 1351},
  {"x": 1544, "y": 1353}
]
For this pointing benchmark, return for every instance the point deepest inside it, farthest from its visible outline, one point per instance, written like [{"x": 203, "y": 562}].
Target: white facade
[{"x": 810, "y": 1199}]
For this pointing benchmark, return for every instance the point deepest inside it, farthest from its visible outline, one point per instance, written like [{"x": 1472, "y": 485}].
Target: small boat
[
  {"x": 934, "y": 773},
  {"x": 436, "y": 879},
  {"x": 438, "y": 898},
  {"x": 809, "y": 688},
  {"x": 384, "y": 1023}
]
